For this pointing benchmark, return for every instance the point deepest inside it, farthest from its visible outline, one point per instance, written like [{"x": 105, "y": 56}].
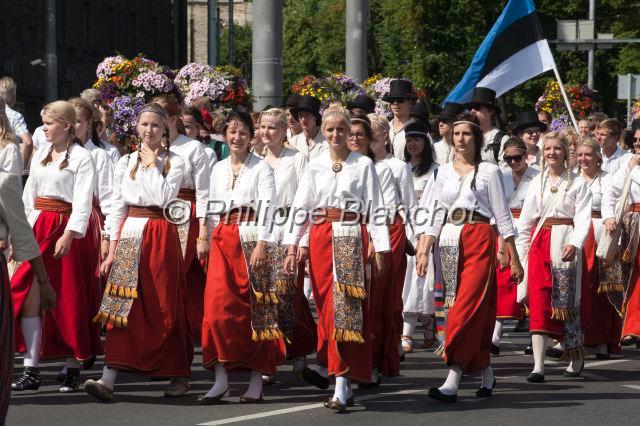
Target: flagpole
[{"x": 565, "y": 97}]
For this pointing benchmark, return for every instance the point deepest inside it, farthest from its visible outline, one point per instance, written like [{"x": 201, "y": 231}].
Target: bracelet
[
  {"x": 105, "y": 238},
  {"x": 203, "y": 240},
  {"x": 149, "y": 165}
]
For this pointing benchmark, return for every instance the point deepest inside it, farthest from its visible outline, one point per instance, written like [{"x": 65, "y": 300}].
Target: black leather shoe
[
  {"x": 628, "y": 341},
  {"x": 553, "y": 353},
  {"x": 88, "y": 363},
  {"x": 213, "y": 400},
  {"x": 435, "y": 393},
  {"x": 567, "y": 373},
  {"x": 495, "y": 349},
  {"x": 314, "y": 378},
  {"x": 528, "y": 350},
  {"x": 486, "y": 392},
  {"x": 535, "y": 378}
]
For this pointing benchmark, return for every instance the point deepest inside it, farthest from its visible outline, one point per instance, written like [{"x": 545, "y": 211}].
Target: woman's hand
[
  {"x": 105, "y": 266},
  {"x": 290, "y": 261},
  {"x": 302, "y": 255},
  {"x": 147, "y": 156},
  {"x": 634, "y": 161},
  {"x": 63, "y": 245},
  {"x": 503, "y": 260},
  {"x": 258, "y": 256},
  {"x": 422, "y": 264},
  {"x": 610, "y": 225},
  {"x": 379, "y": 263},
  {"x": 568, "y": 253},
  {"x": 47, "y": 296},
  {"x": 104, "y": 249},
  {"x": 517, "y": 272}
]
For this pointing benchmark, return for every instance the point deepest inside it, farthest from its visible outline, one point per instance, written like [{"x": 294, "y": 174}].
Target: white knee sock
[
  {"x": 32, "y": 332},
  {"x": 343, "y": 389},
  {"x": 255, "y": 385},
  {"x": 109, "y": 376},
  {"x": 410, "y": 322},
  {"x": 221, "y": 384},
  {"x": 72, "y": 363},
  {"x": 497, "y": 332},
  {"x": 450, "y": 386},
  {"x": 487, "y": 378},
  {"x": 539, "y": 345}
]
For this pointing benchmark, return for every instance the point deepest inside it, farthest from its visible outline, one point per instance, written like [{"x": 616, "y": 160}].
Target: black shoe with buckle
[
  {"x": 535, "y": 378},
  {"x": 71, "y": 381},
  {"x": 30, "y": 380},
  {"x": 486, "y": 392},
  {"x": 436, "y": 394}
]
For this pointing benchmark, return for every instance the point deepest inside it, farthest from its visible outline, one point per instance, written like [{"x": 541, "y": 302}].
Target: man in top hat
[
  {"x": 529, "y": 128},
  {"x": 443, "y": 149},
  {"x": 293, "y": 125},
  {"x": 310, "y": 142},
  {"x": 401, "y": 98},
  {"x": 420, "y": 112},
  {"x": 483, "y": 106},
  {"x": 361, "y": 105}
]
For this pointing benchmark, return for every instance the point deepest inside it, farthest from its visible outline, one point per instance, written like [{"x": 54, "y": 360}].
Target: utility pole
[
  {"x": 266, "y": 46},
  {"x": 230, "y": 33},
  {"x": 51, "y": 55},
  {"x": 356, "y": 42},
  {"x": 212, "y": 32},
  {"x": 591, "y": 52}
]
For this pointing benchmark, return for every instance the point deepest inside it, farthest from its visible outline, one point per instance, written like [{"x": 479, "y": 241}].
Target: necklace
[{"x": 554, "y": 187}]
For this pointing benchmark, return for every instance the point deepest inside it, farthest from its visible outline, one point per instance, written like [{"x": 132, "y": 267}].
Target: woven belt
[
  {"x": 151, "y": 212},
  {"x": 235, "y": 216},
  {"x": 635, "y": 207},
  {"x": 516, "y": 213},
  {"x": 187, "y": 194},
  {"x": 550, "y": 221},
  {"x": 460, "y": 216},
  {"x": 53, "y": 205},
  {"x": 336, "y": 215},
  {"x": 596, "y": 214}
]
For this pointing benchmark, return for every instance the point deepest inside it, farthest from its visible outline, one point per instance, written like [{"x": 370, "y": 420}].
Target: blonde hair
[
  {"x": 160, "y": 111},
  {"x": 335, "y": 110},
  {"x": 6, "y": 134},
  {"x": 590, "y": 142},
  {"x": 63, "y": 112},
  {"x": 277, "y": 114},
  {"x": 564, "y": 143},
  {"x": 571, "y": 135}
]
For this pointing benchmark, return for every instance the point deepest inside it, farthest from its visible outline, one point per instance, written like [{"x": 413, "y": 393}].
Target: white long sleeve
[
  {"x": 388, "y": 186},
  {"x": 13, "y": 220},
  {"x": 103, "y": 185},
  {"x": 197, "y": 170},
  {"x": 404, "y": 182},
  {"x": 11, "y": 159},
  {"x": 612, "y": 190}
]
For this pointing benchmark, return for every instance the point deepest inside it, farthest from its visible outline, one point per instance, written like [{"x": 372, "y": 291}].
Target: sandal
[{"x": 407, "y": 344}]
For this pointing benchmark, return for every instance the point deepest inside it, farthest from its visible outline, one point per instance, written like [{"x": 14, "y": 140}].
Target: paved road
[{"x": 609, "y": 391}]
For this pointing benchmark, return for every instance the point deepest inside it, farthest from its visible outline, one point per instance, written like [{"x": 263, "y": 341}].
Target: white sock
[
  {"x": 497, "y": 332},
  {"x": 321, "y": 369},
  {"x": 603, "y": 349},
  {"x": 343, "y": 389},
  {"x": 539, "y": 345},
  {"x": 410, "y": 322},
  {"x": 308, "y": 292},
  {"x": 72, "y": 363},
  {"x": 221, "y": 384},
  {"x": 450, "y": 386},
  {"x": 575, "y": 365},
  {"x": 487, "y": 378},
  {"x": 109, "y": 376},
  {"x": 255, "y": 385},
  {"x": 32, "y": 332}
]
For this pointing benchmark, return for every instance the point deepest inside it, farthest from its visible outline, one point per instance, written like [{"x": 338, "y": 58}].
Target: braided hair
[
  {"x": 62, "y": 112},
  {"x": 478, "y": 140},
  {"x": 158, "y": 110}
]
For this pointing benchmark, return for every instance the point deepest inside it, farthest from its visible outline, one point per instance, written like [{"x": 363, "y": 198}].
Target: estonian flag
[{"x": 513, "y": 52}]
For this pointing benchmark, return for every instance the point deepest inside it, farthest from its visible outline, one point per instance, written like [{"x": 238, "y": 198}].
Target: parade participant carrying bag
[{"x": 607, "y": 249}]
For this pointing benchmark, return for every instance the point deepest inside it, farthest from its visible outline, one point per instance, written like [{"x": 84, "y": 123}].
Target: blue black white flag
[{"x": 513, "y": 52}]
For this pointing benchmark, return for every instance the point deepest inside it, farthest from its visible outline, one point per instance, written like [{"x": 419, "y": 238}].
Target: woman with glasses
[
  {"x": 401, "y": 98},
  {"x": 516, "y": 180},
  {"x": 529, "y": 128}
]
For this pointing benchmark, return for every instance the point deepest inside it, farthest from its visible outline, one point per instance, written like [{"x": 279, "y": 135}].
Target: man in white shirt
[
  {"x": 310, "y": 142},
  {"x": 8, "y": 90},
  {"x": 483, "y": 106},
  {"x": 608, "y": 135},
  {"x": 401, "y": 97}
]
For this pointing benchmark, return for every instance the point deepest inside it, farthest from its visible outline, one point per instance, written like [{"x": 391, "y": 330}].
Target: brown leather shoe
[
  {"x": 177, "y": 387},
  {"x": 336, "y": 405},
  {"x": 250, "y": 400},
  {"x": 98, "y": 390}
]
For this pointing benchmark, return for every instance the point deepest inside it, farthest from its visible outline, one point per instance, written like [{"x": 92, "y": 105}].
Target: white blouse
[
  {"x": 113, "y": 152},
  {"x": 390, "y": 195},
  {"x": 13, "y": 220},
  {"x": 73, "y": 184},
  {"x": 398, "y": 140},
  {"x": 613, "y": 163},
  {"x": 515, "y": 197},
  {"x": 11, "y": 158},
  {"x": 211, "y": 156},
  {"x": 444, "y": 153},
  {"x": 355, "y": 188},
  {"x": 421, "y": 218},
  {"x": 148, "y": 189},
  {"x": 254, "y": 187},
  {"x": 488, "y": 198},
  {"x": 319, "y": 146},
  {"x": 288, "y": 171},
  {"x": 103, "y": 184},
  {"x": 613, "y": 189},
  {"x": 196, "y": 170},
  {"x": 575, "y": 204},
  {"x": 404, "y": 181}
]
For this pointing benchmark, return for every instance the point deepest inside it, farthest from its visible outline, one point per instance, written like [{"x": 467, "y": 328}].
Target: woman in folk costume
[
  {"x": 194, "y": 190},
  {"x": 10, "y": 156},
  {"x": 144, "y": 302},
  {"x": 338, "y": 188},
  {"x": 516, "y": 180},
  {"x": 604, "y": 291},
  {"x": 240, "y": 329},
  {"x": 194, "y": 127},
  {"x": 469, "y": 195},
  {"x": 23, "y": 247},
  {"x": 626, "y": 181},
  {"x": 553, "y": 225},
  {"x": 57, "y": 199},
  {"x": 385, "y": 292},
  {"x": 294, "y": 314},
  {"x": 417, "y": 294}
]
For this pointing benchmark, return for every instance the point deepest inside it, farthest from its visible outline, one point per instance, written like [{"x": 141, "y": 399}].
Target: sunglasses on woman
[
  {"x": 396, "y": 100},
  {"x": 513, "y": 158}
]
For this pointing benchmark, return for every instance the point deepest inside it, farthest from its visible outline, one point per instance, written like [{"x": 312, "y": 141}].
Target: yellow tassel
[
  {"x": 127, "y": 292},
  {"x": 114, "y": 290},
  {"x": 125, "y": 322},
  {"x": 121, "y": 291},
  {"x": 626, "y": 256},
  {"x": 274, "y": 298},
  {"x": 98, "y": 317},
  {"x": 119, "y": 322},
  {"x": 134, "y": 293},
  {"x": 112, "y": 319},
  {"x": 254, "y": 336},
  {"x": 107, "y": 289},
  {"x": 259, "y": 296}
]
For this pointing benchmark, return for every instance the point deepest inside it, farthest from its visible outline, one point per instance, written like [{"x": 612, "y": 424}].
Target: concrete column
[
  {"x": 51, "y": 54},
  {"x": 212, "y": 32},
  {"x": 266, "y": 49},
  {"x": 356, "y": 42}
]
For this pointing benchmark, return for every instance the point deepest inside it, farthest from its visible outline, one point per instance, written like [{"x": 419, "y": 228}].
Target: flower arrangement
[
  {"x": 336, "y": 87},
  {"x": 582, "y": 100},
  {"x": 377, "y": 87},
  {"x": 223, "y": 85},
  {"x": 125, "y": 112},
  {"x": 635, "y": 110}
]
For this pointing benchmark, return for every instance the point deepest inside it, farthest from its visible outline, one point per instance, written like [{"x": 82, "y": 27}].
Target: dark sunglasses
[
  {"x": 477, "y": 107},
  {"x": 532, "y": 131},
  {"x": 397, "y": 100},
  {"x": 511, "y": 159}
]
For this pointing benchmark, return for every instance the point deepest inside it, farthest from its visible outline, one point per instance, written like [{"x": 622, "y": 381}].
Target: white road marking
[
  {"x": 634, "y": 387},
  {"x": 302, "y": 408},
  {"x": 605, "y": 362}
]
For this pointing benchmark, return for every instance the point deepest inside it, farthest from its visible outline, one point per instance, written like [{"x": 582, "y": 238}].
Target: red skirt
[
  {"x": 347, "y": 359},
  {"x": 68, "y": 330},
  {"x": 631, "y": 323},
  {"x": 6, "y": 338},
  {"x": 385, "y": 304},
  {"x": 508, "y": 307},
  {"x": 305, "y": 334},
  {"x": 196, "y": 279},
  {"x": 605, "y": 323},
  {"x": 226, "y": 328},
  {"x": 472, "y": 318},
  {"x": 540, "y": 286},
  {"x": 156, "y": 341}
]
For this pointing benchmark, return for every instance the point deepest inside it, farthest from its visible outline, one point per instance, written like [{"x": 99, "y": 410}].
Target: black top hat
[
  {"x": 635, "y": 124},
  {"x": 399, "y": 88},
  {"x": 292, "y": 100},
  {"x": 310, "y": 104},
  {"x": 527, "y": 119},
  {"x": 420, "y": 112},
  {"x": 482, "y": 96},
  {"x": 363, "y": 102},
  {"x": 417, "y": 129},
  {"x": 450, "y": 111}
]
